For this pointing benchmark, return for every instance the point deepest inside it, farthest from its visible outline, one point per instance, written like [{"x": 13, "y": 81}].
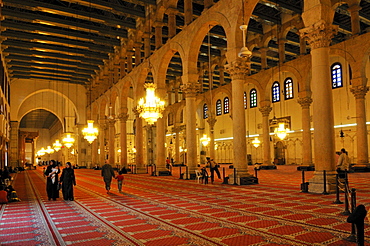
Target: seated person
[
  {"x": 3, "y": 195},
  {"x": 12, "y": 194}
]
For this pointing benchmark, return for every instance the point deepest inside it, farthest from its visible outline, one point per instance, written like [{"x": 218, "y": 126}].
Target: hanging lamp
[{"x": 151, "y": 107}]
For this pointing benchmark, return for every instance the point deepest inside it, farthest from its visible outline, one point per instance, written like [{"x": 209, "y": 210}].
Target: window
[
  {"x": 205, "y": 111},
  {"x": 288, "y": 88},
  {"x": 253, "y": 98},
  {"x": 226, "y": 105},
  {"x": 275, "y": 92},
  {"x": 336, "y": 75},
  {"x": 218, "y": 107},
  {"x": 245, "y": 100}
]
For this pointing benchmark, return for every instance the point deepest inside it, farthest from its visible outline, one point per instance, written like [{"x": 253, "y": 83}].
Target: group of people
[
  {"x": 66, "y": 181},
  {"x": 213, "y": 167},
  {"x": 107, "y": 172},
  {"x": 8, "y": 194}
]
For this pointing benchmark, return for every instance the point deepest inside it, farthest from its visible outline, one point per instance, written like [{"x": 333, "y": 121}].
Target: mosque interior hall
[{"x": 270, "y": 95}]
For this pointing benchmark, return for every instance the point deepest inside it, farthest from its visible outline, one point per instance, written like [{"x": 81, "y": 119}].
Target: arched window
[
  {"x": 275, "y": 91},
  {"x": 336, "y": 75},
  {"x": 218, "y": 107},
  {"x": 205, "y": 111},
  {"x": 253, "y": 98},
  {"x": 226, "y": 105},
  {"x": 288, "y": 88},
  {"x": 245, "y": 100}
]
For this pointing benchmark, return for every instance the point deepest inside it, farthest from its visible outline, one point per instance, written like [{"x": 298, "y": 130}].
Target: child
[
  {"x": 3, "y": 195},
  {"x": 119, "y": 178},
  {"x": 204, "y": 175}
]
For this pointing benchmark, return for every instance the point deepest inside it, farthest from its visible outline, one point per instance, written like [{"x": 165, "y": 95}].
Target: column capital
[
  {"x": 265, "y": 110},
  {"x": 111, "y": 122},
  {"x": 238, "y": 69},
  {"x": 359, "y": 91},
  {"x": 305, "y": 102},
  {"x": 123, "y": 117},
  {"x": 354, "y": 8},
  {"x": 103, "y": 124},
  {"x": 211, "y": 121},
  {"x": 136, "y": 112},
  {"x": 190, "y": 89},
  {"x": 320, "y": 34}
]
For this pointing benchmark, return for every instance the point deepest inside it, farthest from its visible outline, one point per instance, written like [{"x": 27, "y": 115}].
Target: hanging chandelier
[
  {"x": 281, "y": 132},
  {"x": 57, "y": 145},
  {"x": 205, "y": 140},
  {"x": 41, "y": 152},
  {"x": 68, "y": 141},
  {"x": 49, "y": 150},
  {"x": 90, "y": 132},
  {"x": 151, "y": 107},
  {"x": 256, "y": 142}
]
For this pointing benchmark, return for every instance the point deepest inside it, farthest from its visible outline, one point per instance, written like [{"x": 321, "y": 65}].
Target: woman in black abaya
[
  {"x": 68, "y": 180},
  {"x": 51, "y": 174}
]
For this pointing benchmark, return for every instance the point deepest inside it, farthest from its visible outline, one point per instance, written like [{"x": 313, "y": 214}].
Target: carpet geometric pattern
[{"x": 162, "y": 211}]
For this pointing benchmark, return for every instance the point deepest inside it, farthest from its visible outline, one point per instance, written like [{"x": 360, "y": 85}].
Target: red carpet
[{"x": 162, "y": 211}]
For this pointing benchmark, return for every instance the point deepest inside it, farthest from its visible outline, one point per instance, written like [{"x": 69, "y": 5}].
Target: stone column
[
  {"x": 355, "y": 19},
  {"x": 158, "y": 34},
  {"x": 238, "y": 70},
  {"x": 319, "y": 37},
  {"x": 14, "y": 144},
  {"x": 33, "y": 157},
  {"x": 263, "y": 51},
  {"x": 129, "y": 61},
  {"x": 177, "y": 130},
  {"x": 123, "y": 116},
  {"x": 221, "y": 69},
  {"x": 161, "y": 150},
  {"x": 282, "y": 42},
  {"x": 188, "y": 11},
  {"x": 172, "y": 22},
  {"x": 265, "y": 109},
  {"x": 139, "y": 144},
  {"x": 302, "y": 46},
  {"x": 305, "y": 103},
  {"x": 212, "y": 121},
  {"x": 122, "y": 66},
  {"x": 190, "y": 88},
  {"x": 111, "y": 138},
  {"x": 103, "y": 128},
  {"x": 137, "y": 53},
  {"x": 146, "y": 37},
  {"x": 361, "y": 130},
  {"x": 94, "y": 152},
  {"x": 208, "y": 4}
]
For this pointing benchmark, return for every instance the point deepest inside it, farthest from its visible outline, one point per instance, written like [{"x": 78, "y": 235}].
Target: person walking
[
  {"x": 120, "y": 180},
  {"x": 67, "y": 181},
  {"x": 107, "y": 173},
  {"x": 343, "y": 163},
  {"x": 51, "y": 173}
]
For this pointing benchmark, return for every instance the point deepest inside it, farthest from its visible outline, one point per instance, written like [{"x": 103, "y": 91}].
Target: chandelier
[
  {"x": 256, "y": 142},
  {"x": 151, "y": 107},
  {"x": 41, "y": 152},
  {"x": 57, "y": 145},
  {"x": 68, "y": 141},
  {"x": 281, "y": 131},
  {"x": 205, "y": 140},
  {"x": 49, "y": 150},
  {"x": 90, "y": 132}
]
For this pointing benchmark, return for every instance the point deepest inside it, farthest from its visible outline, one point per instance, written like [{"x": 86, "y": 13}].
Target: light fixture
[
  {"x": 68, "y": 141},
  {"x": 281, "y": 131},
  {"x": 119, "y": 150},
  {"x": 151, "y": 107},
  {"x": 90, "y": 132},
  {"x": 256, "y": 142},
  {"x": 205, "y": 140},
  {"x": 41, "y": 152},
  {"x": 49, "y": 150},
  {"x": 244, "y": 51},
  {"x": 57, "y": 145}
]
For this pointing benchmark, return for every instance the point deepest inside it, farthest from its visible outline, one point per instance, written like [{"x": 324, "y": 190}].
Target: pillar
[
  {"x": 103, "y": 128},
  {"x": 177, "y": 130},
  {"x": 137, "y": 53},
  {"x": 361, "y": 130},
  {"x": 282, "y": 42},
  {"x": 208, "y": 4},
  {"x": 355, "y": 19},
  {"x": 172, "y": 22},
  {"x": 14, "y": 144},
  {"x": 305, "y": 103},
  {"x": 161, "y": 138},
  {"x": 139, "y": 144},
  {"x": 129, "y": 61},
  {"x": 319, "y": 36},
  {"x": 158, "y": 34},
  {"x": 263, "y": 51},
  {"x": 188, "y": 11},
  {"x": 146, "y": 37},
  {"x": 221, "y": 69},
  {"x": 190, "y": 88},
  {"x": 265, "y": 109},
  {"x": 123, "y": 116},
  {"x": 238, "y": 70}
]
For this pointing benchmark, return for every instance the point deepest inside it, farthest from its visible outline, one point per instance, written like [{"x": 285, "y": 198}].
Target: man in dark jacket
[{"x": 107, "y": 173}]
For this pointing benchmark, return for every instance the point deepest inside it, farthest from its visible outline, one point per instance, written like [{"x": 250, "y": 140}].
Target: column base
[
  {"x": 242, "y": 179},
  {"x": 316, "y": 183}
]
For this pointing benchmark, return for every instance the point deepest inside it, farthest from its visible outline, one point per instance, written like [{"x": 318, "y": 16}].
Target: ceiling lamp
[
  {"x": 49, "y": 150},
  {"x": 41, "y": 152},
  {"x": 90, "y": 132},
  {"x": 205, "y": 140},
  {"x": 68, "y": 141},
  {"x": 256, "y": 142},
  {"x": 151, "y": 107},
  {"x": 57, "y": 145},
  {"x": 281, "y": 131}
]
